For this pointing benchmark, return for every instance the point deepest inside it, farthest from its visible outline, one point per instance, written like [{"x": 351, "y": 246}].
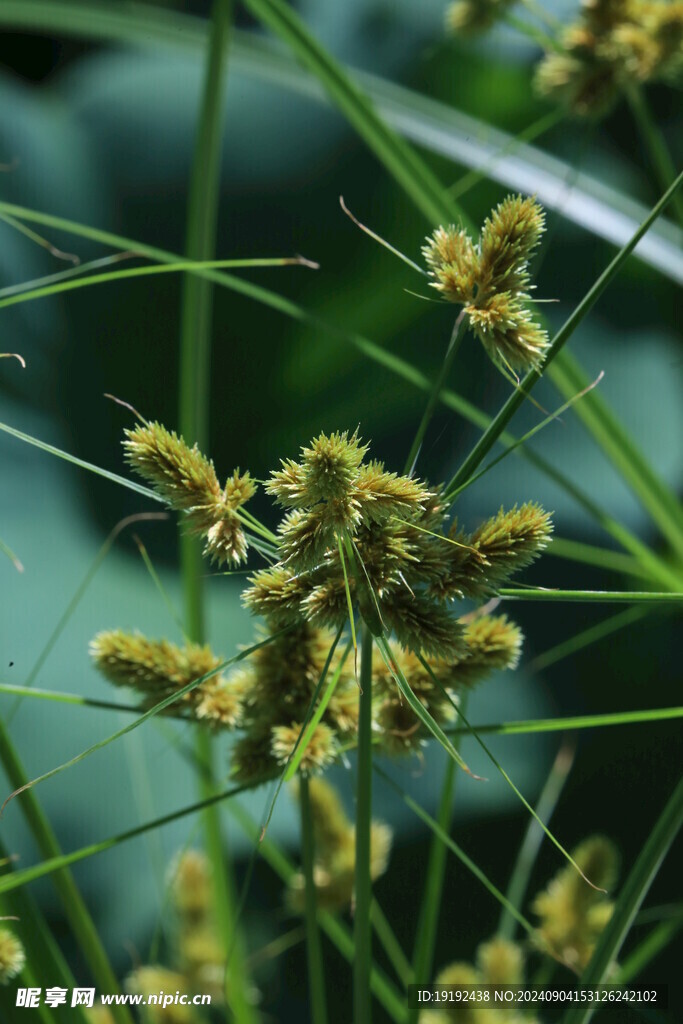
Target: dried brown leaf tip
[
  {"x": 572, "y": 914},
  {"x": 187, "y": 480},
  {"x": 612, "y": 45},
  {"x": 491, "y": 280},
  {"x": 334, "y": 840},
  {"x": 468, "y": 17}
]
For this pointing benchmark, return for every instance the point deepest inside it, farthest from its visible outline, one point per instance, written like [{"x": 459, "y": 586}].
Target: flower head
[
  {"x": 572, "y": 915},
  {"x": 12, "y": 956},
  {"x": 468, "y": 17},
  {"x": 491, "y": 280},
  {"x": 187, "y": 480}
]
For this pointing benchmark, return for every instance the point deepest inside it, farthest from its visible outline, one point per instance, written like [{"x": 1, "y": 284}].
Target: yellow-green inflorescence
[
  {"x": 613, "y": 44},
  {"x": 351, "y": 533},
  {"x": 12, "y": 956},
  {"x": 491, "y": 280},
  {"x": 468, "y": 17},
  {"x": 572, "y": 915},
  {"x": 335, "y": 851},
  {"x": 498, "y": 962}
]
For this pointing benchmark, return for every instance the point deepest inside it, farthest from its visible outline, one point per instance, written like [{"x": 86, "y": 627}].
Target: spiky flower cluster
[
  {"x": 187, "y": 480},
  {"x": 498, "y": 962},
  {"x": 198, "y": 957},
  {"x": 199, "y": 953},
  {"x": 468, "y": 17},
  {"x": 353, "y": 536},
  {"x": 490, "y": 643},
  {"x": 335, "y": 851},
  {"x": 157, "y": 669},
  {"x": 491, "y": 280},
  {"x": 572, "y": 915},
  {"x": 12, "y": 956},
  {"x": 279, "y": 682},
  {"x": 613, "y": 44}
]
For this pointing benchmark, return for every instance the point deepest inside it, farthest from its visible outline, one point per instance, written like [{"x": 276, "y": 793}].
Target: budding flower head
[
  {"x": 572, "y": 914},
  {"x": 334, "y": 839},
  {"x": 12, "y": 956},
  {"x": 498, "y": 962},
  {"x": 612, "y": 46},
  {"x": 468, "y": 17},
  {"x": 491, "y": 280},
  {"x": 150, "y": 981},
  {"x": 190, "y": 878},
  {"x": 158, "y": 668},
  {"x": 187, "y": 480}
]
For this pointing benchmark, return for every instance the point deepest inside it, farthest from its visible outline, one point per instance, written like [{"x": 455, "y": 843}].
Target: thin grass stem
[
  {"x": 390, "y": 944},
  {"x": 362, "y": 931},
  {"x": 655, "y": 143},
  {"x": 457, "y": 334},
  {"x": 531, "y": 844},
  {"x": 314, "y": 953}
]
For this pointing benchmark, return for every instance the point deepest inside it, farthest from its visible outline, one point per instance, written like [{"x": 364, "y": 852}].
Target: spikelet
[
  {"x": 320, "y": 752},
  {"x": 187, "y": 480},
  {"x": 335, "y": 851},
  {"x": 12, "y": 956},
  {"x": 492, "y": 280},
  {"x": 190, "y": 879},
  {"x": 612, "y": 46},
  {"x": 157, "y": 669},
  {"x": 468, "y": 17},
  {"x": 572, "y": 915},
  {"x": 150, "y": 981},
  {"x": 501, "y": 962}
]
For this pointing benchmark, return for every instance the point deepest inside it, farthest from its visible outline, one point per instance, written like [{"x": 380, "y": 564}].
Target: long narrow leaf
[
  {"x": 493, "y": 432},
  {"x": 157, "y": 709},
  {"x": 627, "y": 905}
]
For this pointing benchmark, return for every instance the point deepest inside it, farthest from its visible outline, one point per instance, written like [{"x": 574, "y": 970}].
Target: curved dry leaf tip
[
  {"x": 303, "y": 261},
  {"x": 126, "y": 405},
  {"x": 13, "y": 355}
]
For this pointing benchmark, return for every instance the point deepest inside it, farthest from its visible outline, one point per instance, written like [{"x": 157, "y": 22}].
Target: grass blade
[
  {"x": 655, "y": 497},
  {"x": 7, "y": 551},
  {"x": 316, "y": 970},
  {"x": 362, "y": 927},
  {"x": 432, "y": 125},
  {"x": 396, "y": 155},
  {"x": 419, "y": 708},
  {"x": 157, "y": 709},
  {"x": 658, "y": 939},
  {"x": 337, "y": 932},
  {"x": 586, "y": 637},
  {"x": 454, "y": 848},
  {"x": 75, "y": 910},
  {"x": 392, "y": 947},
  {"x": 575, "y": 722},
  {"x": 531, "y": 844},
  {"x": 630, "y": 898},
  {"x": 497, "y": 426},
  {"x": 592, "y": 596},
  {"x": 59, "y": 862},
  {"x": 372, "y": 351},
  {"x": 494, "y": 760},
  {"x": 113, "y": 276},
  {"x": 603, "y": 558}
]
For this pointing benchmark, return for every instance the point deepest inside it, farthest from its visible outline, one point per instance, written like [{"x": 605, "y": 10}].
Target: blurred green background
[{"x": 102, "y": 134}]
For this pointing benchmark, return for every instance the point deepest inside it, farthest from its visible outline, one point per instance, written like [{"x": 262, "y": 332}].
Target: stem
[
  {"x": 425, "y": 942},
  {"x": 316, "y": 973},
  {"x": 194, "y": 397},
  {"x": 362, "y": 932},
  {"x": 392, "y": 947},
  {"x": 628, "y": 904},
  {"x": 454, "y": 344},
  {"x": 516, "y": 399},
  {"x": 531, "y": 844},
  {"x": 75, "y": 910},
  {"x": 659, "y": 154}
]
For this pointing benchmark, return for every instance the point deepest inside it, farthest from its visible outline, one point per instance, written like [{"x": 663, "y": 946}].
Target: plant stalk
[
  {"x": 194, "y": 402},
  {"x": 457, "y": 333},
  {"x": 314, "y": 953},
  {"x": 75, "y": 910},
  {"x": 362, "y": 932},
  {"x": 650, "y": 133}
]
